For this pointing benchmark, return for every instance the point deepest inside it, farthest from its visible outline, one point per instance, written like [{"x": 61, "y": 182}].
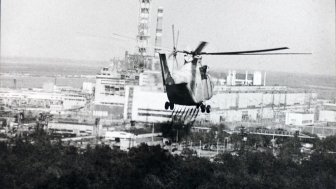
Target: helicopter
[{"x": 192, "y": 85}]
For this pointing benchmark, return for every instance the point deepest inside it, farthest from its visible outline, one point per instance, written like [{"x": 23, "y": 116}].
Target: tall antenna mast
[{"x": 143, "y": 34}]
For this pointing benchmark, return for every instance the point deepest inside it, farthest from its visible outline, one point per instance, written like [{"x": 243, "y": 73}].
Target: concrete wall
[
  {"x": 257, "y": 99},
  {"x": 299, "y": 119},
  {"x": 74, "y": 127},
  {"x": 327, "y": 116},
  {"x": 103, "y": 97},
  {"x": 146, "y": 105}
]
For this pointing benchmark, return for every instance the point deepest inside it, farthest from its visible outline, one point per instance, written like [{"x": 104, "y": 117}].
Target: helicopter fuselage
[
  {"x": 189, "y": 86},
  {"x": 180, "y": 94}
]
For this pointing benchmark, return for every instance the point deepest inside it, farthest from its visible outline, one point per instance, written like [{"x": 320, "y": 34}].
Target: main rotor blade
[
  {"x": 200, "y": 47},
  {"x": 177, "y": 38},
  {"x": 173, "y": 30},
  {"x": 243, "y": 52},
  {"x": 249, "y": 54}
]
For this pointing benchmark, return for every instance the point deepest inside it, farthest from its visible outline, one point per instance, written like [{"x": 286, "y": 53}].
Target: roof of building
[
  {"x": 118, "y": 134},
  {"x": 329, "y": 106}
]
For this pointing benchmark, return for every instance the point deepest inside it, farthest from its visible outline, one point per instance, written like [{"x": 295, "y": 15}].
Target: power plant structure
[
  {"x": 144, "y": 59},
  {"x": 143, "y": 27},
  {"x": 158, "y": 39}
]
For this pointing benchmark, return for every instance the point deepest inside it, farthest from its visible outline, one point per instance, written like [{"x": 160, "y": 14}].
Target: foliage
[
  {"x": 326, "y": 145},
  {"x": 33, "y": 162}
]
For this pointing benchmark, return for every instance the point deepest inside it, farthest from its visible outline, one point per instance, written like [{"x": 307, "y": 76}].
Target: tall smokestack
[
  {"x": 264, "y": 78},
  {"x": 158, "y": 34},
  {"x": 158, "y": 37}
]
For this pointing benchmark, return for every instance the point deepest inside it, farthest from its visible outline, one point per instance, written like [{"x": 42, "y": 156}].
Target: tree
[{"x": 327, "y": 144}]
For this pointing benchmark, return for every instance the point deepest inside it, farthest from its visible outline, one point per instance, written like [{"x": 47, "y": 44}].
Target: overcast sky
[{"x": 83, "y": 29}]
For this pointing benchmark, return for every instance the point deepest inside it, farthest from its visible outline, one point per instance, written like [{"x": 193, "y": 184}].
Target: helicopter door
[
  {"x": 209, "y": 87},
  {"x": 206, "y": 83}
]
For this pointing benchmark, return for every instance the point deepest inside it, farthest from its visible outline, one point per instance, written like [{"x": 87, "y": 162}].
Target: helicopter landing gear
[
  {"x": 204, "y": 108},
  {"x": 208, "y": 107},
  {"x": 169, "y": 105}
]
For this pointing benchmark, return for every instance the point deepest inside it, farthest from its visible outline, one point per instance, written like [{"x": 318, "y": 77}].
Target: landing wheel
[
  {"x": 202, "y": 108},
  {"x": 171, "y": 106},
  {"x": 208, "y": 108},
  {"x": 167, "y": 105}
]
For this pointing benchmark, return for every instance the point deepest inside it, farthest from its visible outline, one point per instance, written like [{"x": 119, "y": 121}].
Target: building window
[
  {"x": 307, "y": 121},
  {"x": 245, "y": 116}
]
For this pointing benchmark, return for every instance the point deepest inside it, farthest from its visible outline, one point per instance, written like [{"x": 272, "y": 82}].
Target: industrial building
[
  {"x": 299, "y": 118},
  {"x": 239, "y": 79},
  {"x": 37, "y": 98},
  {"x": 146, "y": 104},
  {"x": 327, "y": 116},
  {"x": 110, "y": 89},
  {"x": 125, "y": 141},
  {"x": 77, "y": 129},
  {"x": 88, "y": 88},
  {"x": 110, "y": 86},
  {"x": 327, "y": 113},
  {"x": 150, "y": 78},
  {"x": 109, "y": 96}
]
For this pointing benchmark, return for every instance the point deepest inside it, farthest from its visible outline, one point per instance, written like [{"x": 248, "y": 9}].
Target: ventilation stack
[
  {"x": 158, "y": 39},
  {"x": 158, "y": 35}
]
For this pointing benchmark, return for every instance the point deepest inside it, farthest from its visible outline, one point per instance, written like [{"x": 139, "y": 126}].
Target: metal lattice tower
[{"x": 143, "y": 27}]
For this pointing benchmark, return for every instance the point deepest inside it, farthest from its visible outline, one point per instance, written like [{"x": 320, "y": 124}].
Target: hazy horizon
[
  {"x": 85, "y": 30},
  {"x": 101, "y": 63}
]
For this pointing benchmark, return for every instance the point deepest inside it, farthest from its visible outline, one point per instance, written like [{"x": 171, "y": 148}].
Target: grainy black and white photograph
[{"x": 167, "y": 94}]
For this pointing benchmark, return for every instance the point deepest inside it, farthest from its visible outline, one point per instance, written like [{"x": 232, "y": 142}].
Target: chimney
[
  {"x": 264, "y": 78},
  {"x": 158, "y": 33}
]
